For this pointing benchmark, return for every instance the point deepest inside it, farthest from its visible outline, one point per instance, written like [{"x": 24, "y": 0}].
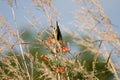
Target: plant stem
[{"x": 20, "y": 46}]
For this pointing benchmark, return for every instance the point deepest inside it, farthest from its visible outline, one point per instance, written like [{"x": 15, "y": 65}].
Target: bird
[{"x": 57, "y": 34}]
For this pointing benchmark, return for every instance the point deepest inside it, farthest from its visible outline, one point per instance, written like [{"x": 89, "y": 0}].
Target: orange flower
[
  {"x": 49, "y": 40},
  {"x": 59, "y": 70},
  {"x": 44, "y": 58},
  {"x": 64, "y": 49}
]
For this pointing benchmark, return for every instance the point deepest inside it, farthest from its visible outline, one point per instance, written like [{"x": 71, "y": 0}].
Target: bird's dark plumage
[{"x": 59, "y": 35}]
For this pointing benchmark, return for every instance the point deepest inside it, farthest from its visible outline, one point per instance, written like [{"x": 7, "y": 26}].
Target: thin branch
[
  {"x": 19, "y": 39},
  {"x": 108, "y": 58}
]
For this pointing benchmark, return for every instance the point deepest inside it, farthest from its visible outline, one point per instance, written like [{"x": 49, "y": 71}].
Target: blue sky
[
  {"x": 111, "y": 9},
  {"x": 65, "y": 10}
]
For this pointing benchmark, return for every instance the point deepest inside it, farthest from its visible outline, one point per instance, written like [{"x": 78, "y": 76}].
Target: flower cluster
[
  {"x": 51, "y": 43},
  {"x": 44, "y": 58},
  {"x": 59, "y": 70}
]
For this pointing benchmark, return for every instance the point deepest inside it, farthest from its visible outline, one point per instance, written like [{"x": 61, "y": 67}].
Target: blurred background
[
  {"x": 65, "y": 11},
  {"x": 64, "y": 8}
]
